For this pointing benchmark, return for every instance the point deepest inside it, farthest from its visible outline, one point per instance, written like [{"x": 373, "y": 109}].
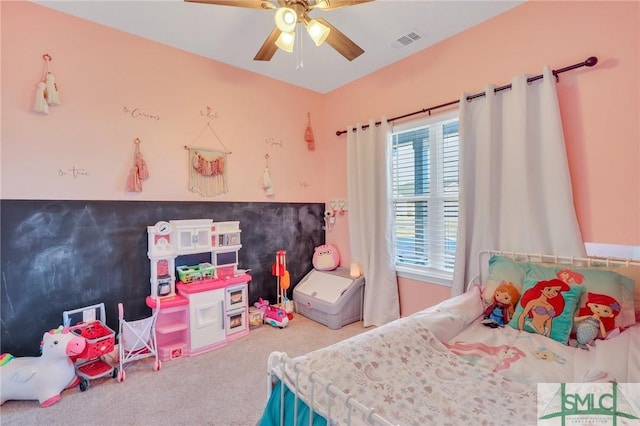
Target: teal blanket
[{"x": 271, "y": 415}]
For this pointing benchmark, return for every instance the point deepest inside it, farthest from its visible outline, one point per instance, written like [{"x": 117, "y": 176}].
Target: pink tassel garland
[{"x": 138, "y": 172}]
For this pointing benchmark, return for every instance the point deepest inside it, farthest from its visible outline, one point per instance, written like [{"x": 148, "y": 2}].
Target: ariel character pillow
[
  {"x": 598, "y": 281},
  {"x": 547, "y": 308}
]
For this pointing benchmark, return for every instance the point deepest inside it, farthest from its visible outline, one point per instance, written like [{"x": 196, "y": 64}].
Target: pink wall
[
  {"x": 101, "y": 72},
  {"x": 600, "y": 106}
]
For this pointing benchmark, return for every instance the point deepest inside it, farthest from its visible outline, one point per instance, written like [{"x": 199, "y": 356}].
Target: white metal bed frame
[
  {"x": 585, "y": 262},
  {"x": 279, "y": 362}
]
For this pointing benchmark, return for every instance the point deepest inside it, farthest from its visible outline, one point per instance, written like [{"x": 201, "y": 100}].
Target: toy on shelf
[
  {"x": 42, "y": 378},
  {"x": 199, "y": 272},
  {"x": 136, "y": 340}
]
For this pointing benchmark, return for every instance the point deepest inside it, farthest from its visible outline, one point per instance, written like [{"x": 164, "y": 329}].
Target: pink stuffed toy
[{"x": 326, "y": 258}]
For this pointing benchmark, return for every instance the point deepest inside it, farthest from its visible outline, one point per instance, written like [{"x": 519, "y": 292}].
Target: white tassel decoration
[
  {"x": 40, "y": 104},
  {"x": 53, "y": 98},
  {"x": 267, "y": 183}
]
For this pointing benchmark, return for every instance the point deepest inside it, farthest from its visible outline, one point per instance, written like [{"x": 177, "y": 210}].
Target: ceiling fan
[{"x": 288, "y": 14}]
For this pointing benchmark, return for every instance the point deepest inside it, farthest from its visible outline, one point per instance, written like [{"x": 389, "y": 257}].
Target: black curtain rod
[{"x": 588, "y": 63}]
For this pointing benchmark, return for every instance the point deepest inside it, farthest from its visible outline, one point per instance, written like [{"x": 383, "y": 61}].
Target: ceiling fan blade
[
  {"x": 269, "y": 47},
  {"x": 335, "y": 4},
  {"x": 341, "y": 42},
  {"x": 251, "y": 4}
]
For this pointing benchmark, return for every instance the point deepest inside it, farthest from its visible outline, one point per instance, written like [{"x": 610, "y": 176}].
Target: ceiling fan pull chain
[{"x": 299, "y": 50}]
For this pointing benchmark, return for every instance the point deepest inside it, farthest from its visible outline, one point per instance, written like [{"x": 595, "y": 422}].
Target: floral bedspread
[
  {"x": 532, "y": 358},
  {"x": 441, "y": 366},
  {"x": 408, "y": 376}
]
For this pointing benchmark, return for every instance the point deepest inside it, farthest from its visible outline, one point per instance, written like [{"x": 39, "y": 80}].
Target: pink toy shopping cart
[{"x": 88, "y": 323}]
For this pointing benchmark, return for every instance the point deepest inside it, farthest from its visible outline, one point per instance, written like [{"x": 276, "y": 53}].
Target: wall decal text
[
  {"x": 209, "y": 113},
  {"x": 138, "y": 113},
  {"x": 73, "y": 171},
  {"x": 273, "y": 142}
]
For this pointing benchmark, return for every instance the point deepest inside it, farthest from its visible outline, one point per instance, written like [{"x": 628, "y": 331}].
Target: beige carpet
[{"x": 227, "y": 386}]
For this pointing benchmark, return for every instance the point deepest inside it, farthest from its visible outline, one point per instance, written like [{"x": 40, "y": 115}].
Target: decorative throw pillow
[
  {"x": 601, "y": 281},
  {"x": 547, "y": 307},
  {"x": 502, "y": 269}
]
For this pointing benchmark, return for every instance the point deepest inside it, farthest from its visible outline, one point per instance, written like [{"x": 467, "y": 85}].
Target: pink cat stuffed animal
[{"x": 326, "y": 258}]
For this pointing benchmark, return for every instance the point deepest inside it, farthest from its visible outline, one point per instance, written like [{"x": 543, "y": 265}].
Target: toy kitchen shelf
[{"x": 208, "y": 307}]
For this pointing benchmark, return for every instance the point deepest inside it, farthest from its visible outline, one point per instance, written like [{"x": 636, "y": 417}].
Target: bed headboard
[
  {"x": 585, "y": 262},
  {"x": 584, "y": 277}
]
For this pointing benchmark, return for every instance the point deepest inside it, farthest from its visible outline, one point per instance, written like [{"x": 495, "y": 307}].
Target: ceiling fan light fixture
[
  {"x": 286, "y": 19},
  {"x": 317, "y": 31},
  {"x": 285, "y": 41}
]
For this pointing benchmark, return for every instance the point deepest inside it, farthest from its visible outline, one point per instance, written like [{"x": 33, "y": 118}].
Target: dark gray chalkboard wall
[{"x": 62, "y": 255}]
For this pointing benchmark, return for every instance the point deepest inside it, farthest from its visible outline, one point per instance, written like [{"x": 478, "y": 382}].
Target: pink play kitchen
[{"x": 200, "y": 295}]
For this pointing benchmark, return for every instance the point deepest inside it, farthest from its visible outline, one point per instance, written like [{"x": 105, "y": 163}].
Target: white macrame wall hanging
[
  {"x": 208, "y": 168},
  {"x": 47, "y": 90}
]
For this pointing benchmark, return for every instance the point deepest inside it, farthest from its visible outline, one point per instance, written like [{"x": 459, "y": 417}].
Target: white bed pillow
[
  {"x": 449, "y": 317},
  {"x": 633, "y": 273}
]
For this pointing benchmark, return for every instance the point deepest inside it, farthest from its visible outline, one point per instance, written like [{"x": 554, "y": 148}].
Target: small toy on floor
[
  {"x": 44, "y": 377},
  {"x": 272, "y": 315},
  {"x": 276, "y": 316}
]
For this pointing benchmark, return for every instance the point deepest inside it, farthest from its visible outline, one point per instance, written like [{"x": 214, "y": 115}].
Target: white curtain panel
[
  {"x": 515, "y": 188},
  {"x": 371, "y": 219}
]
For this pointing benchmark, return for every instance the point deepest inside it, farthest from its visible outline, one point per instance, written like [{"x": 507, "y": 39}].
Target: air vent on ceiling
[{"x": 407, "y": 39}]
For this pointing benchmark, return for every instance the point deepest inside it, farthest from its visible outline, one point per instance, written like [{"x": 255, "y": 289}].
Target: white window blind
[{"x": 425, "y": 196}]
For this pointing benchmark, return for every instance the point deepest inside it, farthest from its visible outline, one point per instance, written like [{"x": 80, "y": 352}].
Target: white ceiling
[{"x": 233, "y": 35}]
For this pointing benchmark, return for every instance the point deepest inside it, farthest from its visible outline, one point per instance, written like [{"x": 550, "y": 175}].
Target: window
[{"x": 425, "y": 197}]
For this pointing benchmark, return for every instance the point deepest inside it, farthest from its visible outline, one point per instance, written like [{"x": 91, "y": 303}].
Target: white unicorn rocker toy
[{"x": 43, "y": 377}]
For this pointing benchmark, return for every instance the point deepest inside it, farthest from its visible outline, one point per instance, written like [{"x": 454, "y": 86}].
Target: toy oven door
[
  {"x": 236, "y": 297},
  {"x": 236, "y": 321}
]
